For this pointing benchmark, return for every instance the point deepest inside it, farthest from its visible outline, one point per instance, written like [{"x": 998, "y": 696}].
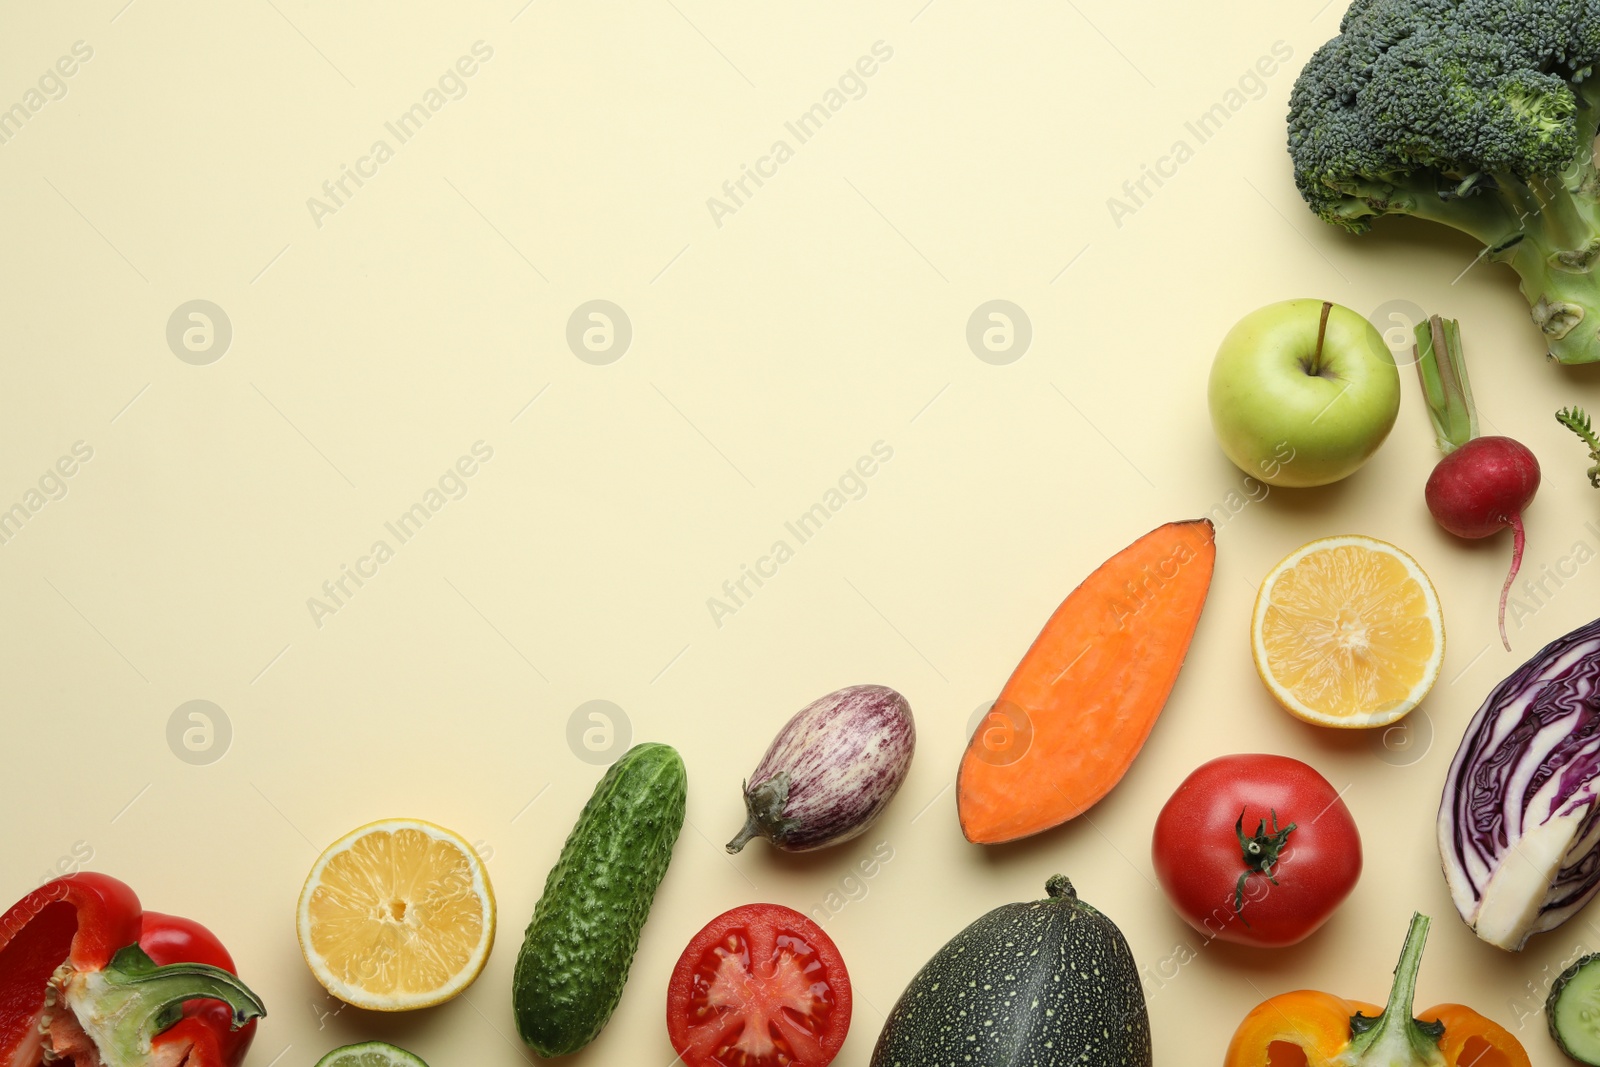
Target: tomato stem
[{"x": 1260, "y": 851}]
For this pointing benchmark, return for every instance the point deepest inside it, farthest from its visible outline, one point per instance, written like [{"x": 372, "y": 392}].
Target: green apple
[{"x": 1302, "y": 392}]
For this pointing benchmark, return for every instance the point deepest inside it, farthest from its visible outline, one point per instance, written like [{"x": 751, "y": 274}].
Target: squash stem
[{"x": 1442, "y": 366}]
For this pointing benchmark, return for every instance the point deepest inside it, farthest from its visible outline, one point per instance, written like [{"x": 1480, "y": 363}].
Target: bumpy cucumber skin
[
  {"x": 1558, "y": 987},
  {"x": 585, "y": 929}
]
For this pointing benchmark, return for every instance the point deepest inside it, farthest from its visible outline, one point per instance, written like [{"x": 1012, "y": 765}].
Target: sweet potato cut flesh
[{"x": 1079, "y": 706}]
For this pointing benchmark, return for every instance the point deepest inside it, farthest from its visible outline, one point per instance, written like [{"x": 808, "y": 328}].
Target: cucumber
[
  {"x": 1050, "y": 983},
  {"x": 585, "y": 929},
  {"x": 1573, "y": 1010}
]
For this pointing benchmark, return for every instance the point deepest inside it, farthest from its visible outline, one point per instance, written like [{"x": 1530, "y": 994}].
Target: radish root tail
[{"x": 1517, "y": 544}]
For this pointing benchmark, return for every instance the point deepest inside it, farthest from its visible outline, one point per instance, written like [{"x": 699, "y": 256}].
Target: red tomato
[
  {"x": 760, "y": 986},
  {"x": 1256, "y": 849}
]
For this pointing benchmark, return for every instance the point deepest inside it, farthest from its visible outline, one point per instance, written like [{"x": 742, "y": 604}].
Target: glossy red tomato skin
[
  {"x": 775, "y": 920},
  {"x": 1198, "y": 858}
]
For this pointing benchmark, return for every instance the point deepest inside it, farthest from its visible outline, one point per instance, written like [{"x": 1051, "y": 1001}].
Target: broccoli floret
[{"x": 1478, "y": 114}]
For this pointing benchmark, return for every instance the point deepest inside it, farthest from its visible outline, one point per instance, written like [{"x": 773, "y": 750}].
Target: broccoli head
[{"x": 1478, "y": 114}]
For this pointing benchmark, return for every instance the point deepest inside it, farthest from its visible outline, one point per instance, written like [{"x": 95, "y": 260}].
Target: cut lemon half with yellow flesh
[
  {"x": 1347, "y": 632},
  {"x": 397, "y": 915}
]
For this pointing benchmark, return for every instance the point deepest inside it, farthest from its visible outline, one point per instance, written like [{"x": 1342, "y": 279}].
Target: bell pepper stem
[
  {"x": 1442, "y": 366},
  {"x": 1395, "y": 1036},
  {"x": 125, "y": 1006}
]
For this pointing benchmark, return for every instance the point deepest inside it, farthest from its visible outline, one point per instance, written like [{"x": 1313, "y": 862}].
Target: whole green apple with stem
[{"x": 1302, "y": 392}]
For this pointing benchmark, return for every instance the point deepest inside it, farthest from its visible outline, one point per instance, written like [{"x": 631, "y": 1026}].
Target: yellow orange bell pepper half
[{"x": 1310, "y": 1029}]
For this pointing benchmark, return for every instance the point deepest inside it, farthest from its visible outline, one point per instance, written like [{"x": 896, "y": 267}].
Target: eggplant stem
[
  {"x": 1518, "y": 542},
  {"x": 751, "y": 831}
]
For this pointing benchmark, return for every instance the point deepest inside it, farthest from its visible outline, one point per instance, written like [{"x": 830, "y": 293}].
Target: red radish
[{"x": 1482, "y": 484}]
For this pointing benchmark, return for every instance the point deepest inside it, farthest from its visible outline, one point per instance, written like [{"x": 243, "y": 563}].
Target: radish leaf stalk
[
  {"x": 1482, "y": 484},
  {"x": 1444, "y": 383}
]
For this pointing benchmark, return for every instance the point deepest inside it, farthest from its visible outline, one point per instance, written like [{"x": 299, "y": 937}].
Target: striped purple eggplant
[{"x": 831, "y": 770}]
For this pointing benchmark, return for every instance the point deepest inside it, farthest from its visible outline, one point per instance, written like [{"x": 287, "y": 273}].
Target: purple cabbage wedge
[
  {"x": 1518, "y": 825},
  {"x": 831, "y": 770}
]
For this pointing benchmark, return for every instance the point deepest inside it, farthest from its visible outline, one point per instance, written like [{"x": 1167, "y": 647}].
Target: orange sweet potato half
[{"x": 1082, "y": 701}]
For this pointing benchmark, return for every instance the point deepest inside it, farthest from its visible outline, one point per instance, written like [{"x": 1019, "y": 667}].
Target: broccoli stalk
[
  {"x": 1480, "y": 115},
  {"x": 1549, "y": 233}
]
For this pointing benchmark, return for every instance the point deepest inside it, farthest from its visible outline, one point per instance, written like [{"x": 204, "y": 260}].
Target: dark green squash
[{"x": 1049, "y": 983}]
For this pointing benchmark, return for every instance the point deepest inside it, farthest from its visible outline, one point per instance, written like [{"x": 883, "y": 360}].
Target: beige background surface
[{"x": 826, "y": 313}]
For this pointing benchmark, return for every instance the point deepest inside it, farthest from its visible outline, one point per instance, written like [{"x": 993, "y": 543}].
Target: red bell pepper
[{"x": 86, "y": 975}]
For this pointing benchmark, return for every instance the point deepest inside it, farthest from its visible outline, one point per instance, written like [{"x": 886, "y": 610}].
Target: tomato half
[
  {"x": 1256, "y": 849},
  {"x": 760, "y": 986}
]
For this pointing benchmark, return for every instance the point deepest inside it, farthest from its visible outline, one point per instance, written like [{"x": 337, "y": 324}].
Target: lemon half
[
  {"x": 397, "y": 915},
  {"x": 1347, "y": 632}
]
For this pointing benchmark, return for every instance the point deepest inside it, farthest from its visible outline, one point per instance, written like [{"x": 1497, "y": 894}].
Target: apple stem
[
  {"x": 1442, "y": 366},
  {"x": 1322, "y": 332}
]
